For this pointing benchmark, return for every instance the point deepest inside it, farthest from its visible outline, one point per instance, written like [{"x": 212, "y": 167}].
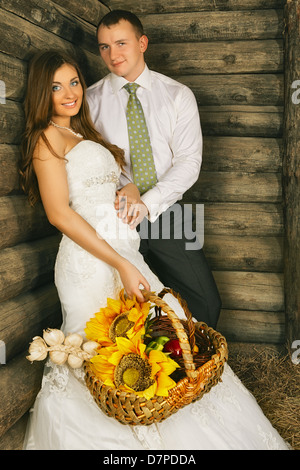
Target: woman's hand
[
  {"x": 129, "y": 205},
  {"x": 132, "y": 279}
]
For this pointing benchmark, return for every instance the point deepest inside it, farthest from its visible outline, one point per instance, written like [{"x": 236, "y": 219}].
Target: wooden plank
[
  {"x": 251, "y": 291},
  {"x": 252, "y": 326},
  {"x": 13, "y": 73},
  {"x": 252, "y": 89},
  {"x": 19, "y": 222},
  {"x": 51, "y": 17},
  {"x": 11, "y": 123},
  {"x": 244, "y": 121},
  {"x": 228, "y": 186},
  {"x": 32, "y": 38},
  {"x": 246, "y": 154},
  {"x": 20, "y": 382},
  {"x": 26, "y": 315},
  {"x": 217, "y": 57},
  {"x": 216, "y": 120},
  {"x": 220, "y": 154},
  {"x": 239, "y": 89},
  {"x": 27, "y": 266},
  {"x": 9, "y": 164},
  {"x": 167, "y": 6},
  {"x": 243, "y": 219},
  {"x": 90, "y": 10},
  {"x": 13, "y": 439},
  {"x": 236, "y": 253},
  {"x": 214, "y": 26},
  {"x": 291, "y": 171}
]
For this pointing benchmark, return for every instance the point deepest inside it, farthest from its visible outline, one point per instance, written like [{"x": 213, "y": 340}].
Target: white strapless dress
[{"x": 65, "y": 416}]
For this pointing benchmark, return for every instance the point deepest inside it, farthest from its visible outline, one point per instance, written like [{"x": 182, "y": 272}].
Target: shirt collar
[{"x": 144, "y": 80}]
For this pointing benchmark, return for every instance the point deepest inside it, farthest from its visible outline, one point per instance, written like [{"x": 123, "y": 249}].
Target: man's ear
[{"x": 143, "y": 43}]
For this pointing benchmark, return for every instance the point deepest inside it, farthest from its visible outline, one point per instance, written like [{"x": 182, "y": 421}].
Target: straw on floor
[{"x": 274, "y": 380}]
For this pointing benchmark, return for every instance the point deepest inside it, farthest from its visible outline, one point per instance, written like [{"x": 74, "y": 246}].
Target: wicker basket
[{"x": 128, "y": 408}]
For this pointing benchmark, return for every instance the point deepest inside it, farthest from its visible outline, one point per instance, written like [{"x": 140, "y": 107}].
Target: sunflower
[
  {"x": 122, "y": 317},
  {"x": 126, "y": 366}
]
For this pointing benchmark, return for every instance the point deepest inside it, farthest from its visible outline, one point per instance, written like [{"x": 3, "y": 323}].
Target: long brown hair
[{"x": 38, "y": 110}]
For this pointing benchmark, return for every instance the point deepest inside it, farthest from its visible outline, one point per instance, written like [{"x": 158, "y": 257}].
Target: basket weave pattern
[{"x": 129, "y": 408}]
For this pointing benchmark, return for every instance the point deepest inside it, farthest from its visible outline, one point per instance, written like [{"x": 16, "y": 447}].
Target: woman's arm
[{"x": 53, "y": 186}]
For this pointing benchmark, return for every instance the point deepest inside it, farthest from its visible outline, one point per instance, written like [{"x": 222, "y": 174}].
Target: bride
[{"x": 75, "y": 173}]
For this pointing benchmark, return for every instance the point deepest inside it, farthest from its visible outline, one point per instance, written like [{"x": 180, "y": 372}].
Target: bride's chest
[{"x": 90, "y": 164}]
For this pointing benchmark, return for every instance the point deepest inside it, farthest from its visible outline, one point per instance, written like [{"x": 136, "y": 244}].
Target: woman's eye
[
  {"x": 75, "y": 82},
  {"x": 55, "y": 88}
]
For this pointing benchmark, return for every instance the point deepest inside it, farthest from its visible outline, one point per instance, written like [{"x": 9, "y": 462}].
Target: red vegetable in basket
[{"x": 173, "y": 347}]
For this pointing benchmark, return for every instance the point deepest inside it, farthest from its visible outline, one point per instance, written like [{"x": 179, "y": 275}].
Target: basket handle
[
  {"x": 187, "y": 355},
  {"x": 189, "y": 323}
]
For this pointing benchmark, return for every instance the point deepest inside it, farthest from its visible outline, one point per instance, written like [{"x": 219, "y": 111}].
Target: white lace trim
[
  {"x": 147, "y": 434},
  {"x": 268, "y": 438}
]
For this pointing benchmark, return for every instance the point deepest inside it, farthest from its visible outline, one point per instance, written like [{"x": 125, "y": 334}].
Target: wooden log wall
[
  {"x": 28, "y": 244},
  {"x": 291, "y": 172},
  {"x": 230, "y": 52}
]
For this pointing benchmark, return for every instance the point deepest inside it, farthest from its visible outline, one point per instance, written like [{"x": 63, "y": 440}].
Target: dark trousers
[{"x": 167, "y": 251}]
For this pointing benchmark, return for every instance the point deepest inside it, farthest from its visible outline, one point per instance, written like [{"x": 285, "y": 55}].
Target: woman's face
[{"x": 67, "y": 92}]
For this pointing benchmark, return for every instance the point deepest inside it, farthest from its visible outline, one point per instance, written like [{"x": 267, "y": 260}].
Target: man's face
[{"x": 121, "y": 49}]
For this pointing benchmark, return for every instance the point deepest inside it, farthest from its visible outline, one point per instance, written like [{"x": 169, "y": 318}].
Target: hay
[{"x": 274, "y": 380}]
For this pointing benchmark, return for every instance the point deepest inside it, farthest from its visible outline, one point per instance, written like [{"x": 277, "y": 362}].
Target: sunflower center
[
  {"x": 134, "y": 372},
  {"x": 120, "y": 326},
  {"x": 131, "y": 376}
]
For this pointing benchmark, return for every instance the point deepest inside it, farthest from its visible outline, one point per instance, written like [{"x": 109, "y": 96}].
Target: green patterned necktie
[{"x": 143, "y": 167}]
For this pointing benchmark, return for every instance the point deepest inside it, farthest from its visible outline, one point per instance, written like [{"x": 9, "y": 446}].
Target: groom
[{"x": 163, "y": 167}]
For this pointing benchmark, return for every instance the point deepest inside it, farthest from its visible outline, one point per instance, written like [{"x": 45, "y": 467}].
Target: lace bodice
[{"x": 92, "y": 176}]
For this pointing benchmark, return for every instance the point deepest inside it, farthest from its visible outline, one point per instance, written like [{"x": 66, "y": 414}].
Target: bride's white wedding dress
[{"x": 65, "y": 416}]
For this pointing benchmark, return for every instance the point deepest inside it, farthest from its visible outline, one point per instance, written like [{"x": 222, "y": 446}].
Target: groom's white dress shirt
[{"x": 173, "y": 123}]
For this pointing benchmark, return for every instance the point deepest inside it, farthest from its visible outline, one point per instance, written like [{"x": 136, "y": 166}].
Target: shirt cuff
[{"x": 153, "y": 202}]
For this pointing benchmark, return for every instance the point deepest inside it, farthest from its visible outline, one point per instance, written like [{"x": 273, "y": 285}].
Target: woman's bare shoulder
[{"x": 53, "y": 142}]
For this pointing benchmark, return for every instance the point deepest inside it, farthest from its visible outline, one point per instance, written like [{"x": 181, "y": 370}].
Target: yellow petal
[
  {"x": 109, "y": 382},
  {"x": 133, "y": 315},
  {"x": 168, "y": 366},
  {"x": 115, "y": 358},
  {"x": 124, "y": 345},
  {"x": 149, "y": 392},
  {"x": 155, "y": 368},
  {"x": 164, "y": 384},
  {"x": 157, "y": 356},
  {"x": 141, "y": 347},
  {"x": 115, "y": 305}
]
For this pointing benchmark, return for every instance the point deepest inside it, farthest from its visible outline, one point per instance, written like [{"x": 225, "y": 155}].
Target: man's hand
[{"x": 129, "y": 205}]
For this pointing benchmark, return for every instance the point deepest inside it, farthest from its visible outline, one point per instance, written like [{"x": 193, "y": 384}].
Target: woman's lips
[{"x": 72, "y": 104}]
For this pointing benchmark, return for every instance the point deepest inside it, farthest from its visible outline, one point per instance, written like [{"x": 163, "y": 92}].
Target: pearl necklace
[{"x": 67, "y": 129}]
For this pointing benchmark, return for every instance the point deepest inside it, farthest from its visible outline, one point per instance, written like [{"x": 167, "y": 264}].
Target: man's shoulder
[
  {"x": 164, "y": 79},
  {"x": 170, "y": 85},
  {"x": 98, "y": 86}
]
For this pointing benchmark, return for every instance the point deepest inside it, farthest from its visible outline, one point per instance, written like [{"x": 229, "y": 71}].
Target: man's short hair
[{"x": 115, "y": 16}]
